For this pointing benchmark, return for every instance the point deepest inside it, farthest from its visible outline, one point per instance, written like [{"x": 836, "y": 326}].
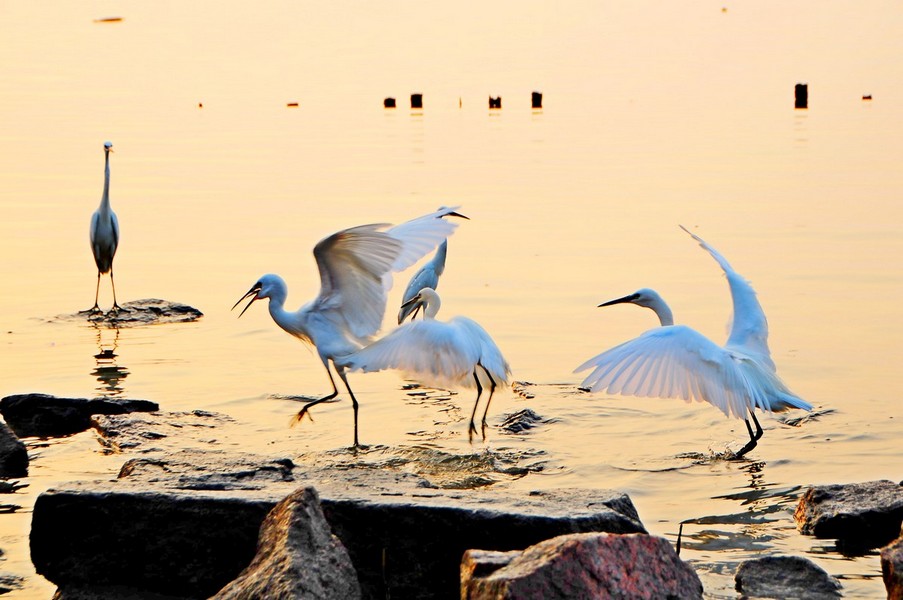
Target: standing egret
[
  {"x": 675, "y": 361},
  {"x": 355, "y": 276},
  {"x": 458, "y": 352},
  {"x": 104, "y": 232}
]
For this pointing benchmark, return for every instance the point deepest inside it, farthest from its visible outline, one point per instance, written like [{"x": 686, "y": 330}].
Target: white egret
[
  {"x": 427, "y": 276},
  {"x": 675, "y": 361},
  {"x": 355, "y": 276},
  {"x": 104, "y": 234},
  {"x": 456, "y": 353}
]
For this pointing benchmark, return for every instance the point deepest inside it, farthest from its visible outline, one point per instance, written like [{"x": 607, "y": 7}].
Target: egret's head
[
  {"x": 644, "y": 297},
  {"x": 108, "y": 146},
  {"x": 265, "y": 287},
  {"x": 428, "y": 299}
]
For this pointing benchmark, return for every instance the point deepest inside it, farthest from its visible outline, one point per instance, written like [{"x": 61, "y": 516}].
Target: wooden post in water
[
  {"x": 389, "y": 103},
  {"x": 416, "y": 100},
  {"x": 801, "y": 95},
  {"x": 537, "y": 100},
  {"x": 495, "y": 102}
]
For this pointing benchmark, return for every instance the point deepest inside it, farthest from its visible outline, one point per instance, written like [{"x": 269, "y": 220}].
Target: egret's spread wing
[
  {"x": 433, "y": 352},
  {"x": 490, "y": 356},
  {"x": 675, "y": 362},
  {"x": 421, "y": 235},
  {"x": 749, "y": 327},
  {"x": 352, "y": 265}
]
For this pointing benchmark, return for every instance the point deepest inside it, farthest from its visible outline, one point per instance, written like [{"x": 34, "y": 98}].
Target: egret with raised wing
[
  {"x": 355, "y": 276},
  {"x": 456, "y": 353},
  {"x": 104, "y": 234},
  {"x": 675, "y": 361}
]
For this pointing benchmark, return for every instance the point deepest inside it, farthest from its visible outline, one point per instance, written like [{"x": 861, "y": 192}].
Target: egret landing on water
[
  {"x": 355, "y": 277},
  {"x": 104, "y": 233},
  {"x": 674, "y": 361},
  {"x": 457, "y": 353}
]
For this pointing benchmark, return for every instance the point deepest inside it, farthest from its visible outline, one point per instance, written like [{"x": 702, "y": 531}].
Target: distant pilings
[
  {"x": 536, "y": 100},
  {"x": 495, "y": 103},
  {"x": 801, "y": 95},
  {"x": 416, "y": 101},
  {"x": 389, "y": 103}
]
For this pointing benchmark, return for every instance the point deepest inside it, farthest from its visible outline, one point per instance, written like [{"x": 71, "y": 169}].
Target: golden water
[{"x": 655, "y": 114}]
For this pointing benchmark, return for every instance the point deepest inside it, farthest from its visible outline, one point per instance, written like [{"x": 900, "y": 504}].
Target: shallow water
[{"x": 653, "y": 116}]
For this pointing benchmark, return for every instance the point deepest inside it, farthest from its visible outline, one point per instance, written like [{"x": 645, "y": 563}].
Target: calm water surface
[{"x": 653, "y": 116}]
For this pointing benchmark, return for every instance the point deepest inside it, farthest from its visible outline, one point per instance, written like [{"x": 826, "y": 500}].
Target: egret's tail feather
[{"x": 787, "y": 401}]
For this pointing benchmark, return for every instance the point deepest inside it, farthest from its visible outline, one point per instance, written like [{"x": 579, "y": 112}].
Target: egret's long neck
[
  {"x": 439, "y": 259},
  {"x": 431, "y": 304},
  {"x": 662, "y": 310},
  {"x": 105, "y": 199}
]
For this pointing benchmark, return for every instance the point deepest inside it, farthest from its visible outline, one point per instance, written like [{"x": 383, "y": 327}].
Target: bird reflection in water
[{"x": 107, "y": 372}]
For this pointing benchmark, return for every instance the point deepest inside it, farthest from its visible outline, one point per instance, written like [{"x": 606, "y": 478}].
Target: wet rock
[
  {"x": 42, "y": 415},
  {"x": 151, "y": 431},
  {"x": 587, "y": 565},
  {"x": 892, "y": 568},
  {"x": 13, "y": 455},
  {"x": 859, "y": 515},
  {"x": 149, "y": 311},
  {"x": 520, "y": 421},
  {"x": 297, "y": 557},
  {"x": 187, "y": 522},
  {"x": 785, "y": 577}
]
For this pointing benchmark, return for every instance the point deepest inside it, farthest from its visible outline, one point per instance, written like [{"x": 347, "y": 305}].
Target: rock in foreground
[
  {"x": 42, "y": 415},
  {"x": 13, "y": 455},
  {"x": 173, "y": 528},
  {"x": 892, "y": 569},
  {"x": 297, "y": 557},
  {"x": 150, "y": 311},
  {"x": 584, "y": 565},
  {"x": 860, "y": 516},
  {"x": 785, "y": 577}
]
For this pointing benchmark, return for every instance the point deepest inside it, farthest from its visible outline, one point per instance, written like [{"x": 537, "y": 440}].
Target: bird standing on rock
[
  {"x": 355, "y": 276},
  {"x": 675, "y": 361},
  {"x": 104, "y": 233}
]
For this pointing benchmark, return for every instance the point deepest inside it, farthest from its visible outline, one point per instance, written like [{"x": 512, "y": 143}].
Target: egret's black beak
[
  {"x": 626, "y": 299},
  {"x": 253, "y": 294},
  {"x": 408, "y": 303},
  {"x": 456, "y": 214}
]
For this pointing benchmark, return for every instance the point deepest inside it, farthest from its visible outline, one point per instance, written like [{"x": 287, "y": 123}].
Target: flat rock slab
[
  {"x": 43, "y": 415},
  {"x": 786, "y": 577},
  {"x": 178, "y": 527},
  {"x": 860, "y": 516},
  {"x": 149, "y": 311},
  {"x": 583, "y": 565}
]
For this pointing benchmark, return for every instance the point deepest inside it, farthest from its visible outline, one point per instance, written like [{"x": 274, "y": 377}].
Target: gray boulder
[
  {"x": 13, "y": 455},
  {"x": 892, "y": 568},
  {"x": 860, "y": 516},
  {"x": 785, "y": 577},
  {"x": 583, "y": 565},
  {"x": 297, "y": 557},
  {"x": 42, "y": 415}
]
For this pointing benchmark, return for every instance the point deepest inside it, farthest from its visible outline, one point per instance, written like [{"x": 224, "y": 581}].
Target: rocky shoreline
[{"x": 189, "y": 518}]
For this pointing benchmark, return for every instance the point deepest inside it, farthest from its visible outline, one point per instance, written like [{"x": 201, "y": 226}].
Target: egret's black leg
[
  {"x": 115, "y": 304},
  {"x": 488, "y": 400},
  {"x": 753, "y": 437},
  {"x": 473, "y": 427},
  {"x": 306, "y": 407},
  {"x": 96, "y": 295},
  {"x": 354, "y": 403}
]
